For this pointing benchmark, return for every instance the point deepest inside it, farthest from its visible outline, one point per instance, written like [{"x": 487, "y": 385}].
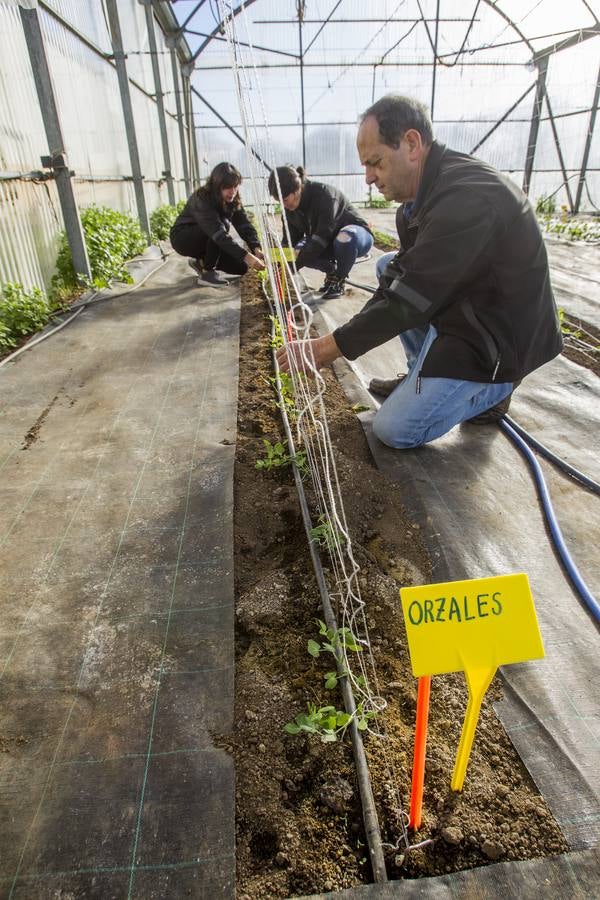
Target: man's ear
[{"x": 415, "y": 142}]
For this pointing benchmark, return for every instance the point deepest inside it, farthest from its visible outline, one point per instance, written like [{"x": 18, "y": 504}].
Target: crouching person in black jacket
[
  {"x": 201, "y": 230},
  {"x": 325, "y": 229},
  {"x": 468, "y": 293}
]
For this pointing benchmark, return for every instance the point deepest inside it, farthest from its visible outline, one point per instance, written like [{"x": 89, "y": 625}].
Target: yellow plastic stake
[
  {"x": 472, "y": 626},
  {"x": 478, "y": 681}
]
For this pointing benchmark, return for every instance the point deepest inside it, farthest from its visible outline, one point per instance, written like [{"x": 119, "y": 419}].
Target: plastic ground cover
[{"x": 116, "y": 614}]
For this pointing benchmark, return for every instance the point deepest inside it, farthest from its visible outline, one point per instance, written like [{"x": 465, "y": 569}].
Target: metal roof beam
[{"x": 584, "y": 34}]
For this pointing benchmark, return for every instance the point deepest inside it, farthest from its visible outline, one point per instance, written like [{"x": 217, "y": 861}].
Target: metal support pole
[
  {"x": 588, "y": 144},
  {"x": 189, "y": 107},
  {"x": 435, "y": 53},
  {"x": 134, "y": 157},
  {"x": 160, "y": 106},
  {"x": 561, "y": 160},
  {"x": 300, "y": 8},
  {"x": 540, "y": 90},
  {"x": 180, "y": 123},
  {"x": 231, "y": 129},
  {"x": 58, "y": 157}
]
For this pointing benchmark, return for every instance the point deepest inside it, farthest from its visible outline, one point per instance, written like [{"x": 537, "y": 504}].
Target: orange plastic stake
[{"x": 418, "y": 772}]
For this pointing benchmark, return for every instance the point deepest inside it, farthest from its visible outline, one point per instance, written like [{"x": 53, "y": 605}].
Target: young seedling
[
  {"x": 327, "y": 721},
  {"x": 276, "y": 341},
  {"x": 327, "y": 535},
  {"x": 283, "y": 385},
  {"x": 277, "y": 457},
  {"x": 335, "y": 638}
]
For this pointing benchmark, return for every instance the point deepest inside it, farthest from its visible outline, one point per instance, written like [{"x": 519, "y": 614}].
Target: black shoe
[
  {"x": 196, "y": 265},
  {"x": 211, "y": 276},
  {"x": 335, "y": 288},
  {"x": 384, "y": 386},
  {"x": 329, "y": 279},
  {"x": 493, "y": 414}
]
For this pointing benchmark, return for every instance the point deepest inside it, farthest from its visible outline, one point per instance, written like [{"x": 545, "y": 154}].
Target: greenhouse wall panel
[{"x": 87, "y": 96}]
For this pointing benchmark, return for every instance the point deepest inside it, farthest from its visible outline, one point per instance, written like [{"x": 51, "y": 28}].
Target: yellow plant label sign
[
  {"x": 474, "y": 625},
  {"x": 482, "y": 623}
]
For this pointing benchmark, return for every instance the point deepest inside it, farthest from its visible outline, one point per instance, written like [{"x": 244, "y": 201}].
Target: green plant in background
[
  {"x": 566, "y": 327},
  {"x": 384, "y": 241},
  {"x": 162, "y": 220},
  {"x": 545, "y": 206},
  {"x": 21, "y": 313},
  {"x": 111, "y": 237},
  {"x": 378, "y": 203},
  {"x": 325, "y": 534}
]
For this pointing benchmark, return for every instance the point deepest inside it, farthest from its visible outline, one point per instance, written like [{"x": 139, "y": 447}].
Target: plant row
[{"x": 111, "y": 238}]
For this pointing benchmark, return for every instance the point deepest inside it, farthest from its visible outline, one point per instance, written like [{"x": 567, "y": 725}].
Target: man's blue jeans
[
  {"x": 417, "y": 412},
  {"x": 350, "y": 242}
]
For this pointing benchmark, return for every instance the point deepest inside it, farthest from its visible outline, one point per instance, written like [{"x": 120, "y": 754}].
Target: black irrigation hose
[
  {"x": 371, "y": 821},
  {"x": 560, "y": 463}
]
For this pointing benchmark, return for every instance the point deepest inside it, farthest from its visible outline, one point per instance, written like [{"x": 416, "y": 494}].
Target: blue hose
[{"x": 571, "y": 569}]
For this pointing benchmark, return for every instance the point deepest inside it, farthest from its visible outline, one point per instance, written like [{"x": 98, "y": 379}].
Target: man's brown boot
[{"x": 384, "y": 386}]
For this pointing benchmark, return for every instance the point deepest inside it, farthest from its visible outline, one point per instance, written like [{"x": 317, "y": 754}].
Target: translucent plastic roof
[{"x": 474, "y": 63}]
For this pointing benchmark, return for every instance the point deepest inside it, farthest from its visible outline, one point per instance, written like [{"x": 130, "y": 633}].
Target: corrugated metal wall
[{"x": 88, "y": 101}]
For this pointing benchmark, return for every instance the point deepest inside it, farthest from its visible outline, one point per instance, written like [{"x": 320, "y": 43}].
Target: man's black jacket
[
  {"x": 473, "y": 264},
  {"x": 323, "y": 210},
  {"x": 215, "y": 224}
]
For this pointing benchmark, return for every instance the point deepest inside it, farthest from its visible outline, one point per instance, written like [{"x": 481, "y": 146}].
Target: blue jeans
[
  {"x": 350, "y": 242},
  {"x": 416, "y": 413}
]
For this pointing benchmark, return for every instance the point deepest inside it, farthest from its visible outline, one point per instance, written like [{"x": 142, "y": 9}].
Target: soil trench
[{"x": 299, "y": 825}]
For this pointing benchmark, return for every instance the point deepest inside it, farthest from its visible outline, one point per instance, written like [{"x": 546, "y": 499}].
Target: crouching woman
[
  {"x": 325, "y": 229},
  {"x": 201, "y": 230}
]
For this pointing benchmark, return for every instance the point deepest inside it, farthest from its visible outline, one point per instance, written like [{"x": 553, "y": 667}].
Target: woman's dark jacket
[
  {"x": 215, "y": 224},
  {"x": 473, "y": 264},
  {"x": 322, "y": 212}
]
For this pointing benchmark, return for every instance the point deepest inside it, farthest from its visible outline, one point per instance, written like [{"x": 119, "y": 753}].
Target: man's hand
[
  {"x": 258, "y": 253},
  {"x": 324, "y": 350},
  {"x": 254, "y": 262}
]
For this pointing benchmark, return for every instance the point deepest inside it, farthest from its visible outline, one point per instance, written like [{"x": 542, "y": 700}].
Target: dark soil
[{"x": 299, "y": 822}]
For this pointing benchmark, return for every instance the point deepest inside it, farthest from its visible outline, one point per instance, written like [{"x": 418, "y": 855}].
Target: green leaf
[
  {"x": 342, "y": 719},
  {"x": 328, "y": 737},
  {"x": 313, "y": 648},
  {"x": 331, "y": 680},
  {"x": 291, "y": 728}
]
